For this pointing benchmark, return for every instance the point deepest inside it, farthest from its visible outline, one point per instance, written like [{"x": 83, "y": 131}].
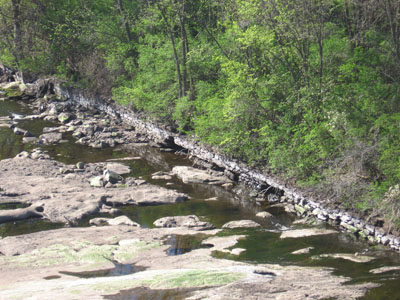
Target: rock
[
  {"x": 147, "y": 195},
  {"x": 121, "y": 220},
  {"x": 77, "y": 134},
  {"x": 19, "y": 131},
  {"x": 112, "y": 177},
  {"x": 161, "y": 177},
  {"x": 140, "y": 182},
  {"x": 99, "y": 221},
  {"x": 51, "y": 118},
  {"x": 227, "y": 185},
  {"x": 241, "y": 224},
  {"x": 385, "y": 269},
  {"x": 50, "y": 129},
  {"x": 193, "y": 175},
  {"x": 98, "y": 144},
  {"x": 118, "y": 168},
  {"x": 303, "y": 251},
  {"x": 348, "y": 256},
  {"x": 298, "y": 233},
  {"x": 80, "y": 165},
  {"x": 264, "y": 215},
  {"x": 237, "y": 251},
  {"x": 97, "y": 181},
  {"x": 33, "y": 211},
  {"x": 190, "y": 221},
  {"x": 64, "y": 117},
  {"x": 32, "y": 140},
  {"x": 50, "y": 138},
  {"x": 212, "y": 199}
]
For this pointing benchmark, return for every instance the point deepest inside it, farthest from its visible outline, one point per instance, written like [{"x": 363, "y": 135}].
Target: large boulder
[
  {"x": 193, "y": 175},
  {"x": 241, "y": 224},
  {"x": 147, "y": 195},
  {"x": 121, "y": 220},
  {"x": 190, "y": 221},
  {"x": 50, "y": 138},
  {"x": 118, "y": 168}
]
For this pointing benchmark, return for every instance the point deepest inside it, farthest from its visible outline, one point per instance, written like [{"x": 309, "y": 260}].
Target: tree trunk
[
  {"x": 17, "y": 29},
  {"x": 124, "y": 20},
  {"x": 177, "y": 63}
]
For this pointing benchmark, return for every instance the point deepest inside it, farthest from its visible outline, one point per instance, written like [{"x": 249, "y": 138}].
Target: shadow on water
[
  {"x": 27, "y": 226},
  {"x": 12, "y": 205},
  {"x": 142, "y": 293},
  {"x": 118, "y": 270}
]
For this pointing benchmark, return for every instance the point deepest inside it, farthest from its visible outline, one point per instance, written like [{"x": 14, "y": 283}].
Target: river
[{"x": 262, "y": 245}]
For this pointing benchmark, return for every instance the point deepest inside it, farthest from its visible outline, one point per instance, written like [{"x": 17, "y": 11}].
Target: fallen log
[{"x": 33, "y": 211}]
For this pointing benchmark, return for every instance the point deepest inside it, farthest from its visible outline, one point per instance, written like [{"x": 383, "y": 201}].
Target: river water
[{"x": 262, "y": 245}]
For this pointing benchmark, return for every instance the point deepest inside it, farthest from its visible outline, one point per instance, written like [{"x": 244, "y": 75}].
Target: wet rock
[
  {"x": 299, "y": 233},
  {"x": 50, "y": 138},
  {"x": 237, "y": 251},
  {"x": 19, "y": 131},
  {"x": 193, "y": 175},
  {"x": 385, "y": 269},
  {"x": 190, "y": 221},
  {"x": 303, "y": 251},
  {"x": 121, "y": 220},
  {"x": 241, "y": 224},
  {"x": 348, "y": 256},
  {"x": 264, "y": 215},
  {"x": 147, "y": 195}
]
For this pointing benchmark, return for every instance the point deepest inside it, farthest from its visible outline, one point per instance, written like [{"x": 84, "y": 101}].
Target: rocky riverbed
[{"x": 119, "y": 256}]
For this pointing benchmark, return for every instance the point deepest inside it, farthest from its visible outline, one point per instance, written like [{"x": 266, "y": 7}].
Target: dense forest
[{"x": 307, "y": 90}]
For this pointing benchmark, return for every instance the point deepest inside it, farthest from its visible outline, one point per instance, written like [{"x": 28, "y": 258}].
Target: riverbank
[
  {"x": 53, "y": 100},
  {"x": 179, "y": 253}
]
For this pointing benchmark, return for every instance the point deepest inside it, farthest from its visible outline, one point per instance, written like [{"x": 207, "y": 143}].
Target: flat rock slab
[
  {"x": 385, "y": 269},
  {"x": 118, "y": 168},
  {"x": 29, "y": 260},
  {"x": 191, "y": 221},
  {"x": 50, "y": 138},
  {"x": 193, "y": 175},
  {"x": 264, "y": 215},
  {"x": 349, "y": 256},
  {"x": 145, "y": 195},
  {"x": 241, "y": 224},
  {"x": 121, "y": 220},
  {"x": 67, "y": 198},
  {"x": 299, "y": 233},
  {"x": 303, "y": 251}
]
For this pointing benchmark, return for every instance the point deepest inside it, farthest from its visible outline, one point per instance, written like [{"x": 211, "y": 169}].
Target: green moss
[
  {"x": 81, "y": 252},
  {"x": 192, "y": 278},
  {"x": 132, "y": 248},
  {"x": 196, "y": 278}
]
